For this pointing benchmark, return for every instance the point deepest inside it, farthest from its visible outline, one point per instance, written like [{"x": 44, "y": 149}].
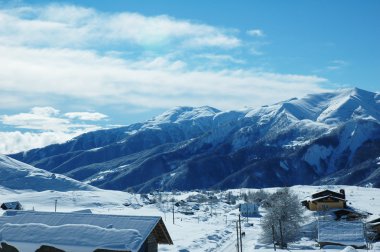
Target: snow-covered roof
[
  {"x": 341, "y": 232},
  {"x": 77, "y": 235},
  {"x": 76, "y": 228},
  {"x": 328, "y": 196}
]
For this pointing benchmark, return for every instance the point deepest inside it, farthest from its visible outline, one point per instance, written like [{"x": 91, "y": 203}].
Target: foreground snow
[{"x": 199, "y": 232}]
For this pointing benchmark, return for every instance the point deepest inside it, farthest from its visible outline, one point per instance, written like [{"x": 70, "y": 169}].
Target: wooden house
[
  {"x": 53, "y": 232},
  {"x": 325, "y": 200},
  {"x": 15, "y": 205}
]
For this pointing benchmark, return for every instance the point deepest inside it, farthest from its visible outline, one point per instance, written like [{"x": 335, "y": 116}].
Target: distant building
[
  {"x": 249, "y": 210},
  {"x": 341, "y": 233},
  {"x": 53, "y": 232},
  {"x": 326, "y": 200},
  {"x": 15, "y": 205}
]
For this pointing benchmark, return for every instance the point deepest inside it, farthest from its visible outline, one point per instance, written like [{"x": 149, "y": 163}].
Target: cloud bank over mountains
[
  {"x": 60, "y": 55},
  {"x": 42, "y": 126}
]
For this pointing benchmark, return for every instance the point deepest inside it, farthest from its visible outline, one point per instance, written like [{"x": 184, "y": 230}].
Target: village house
[
  {"x": 249, "y": 210},
  {"x": 55, "y": 232},
  {"x": 325, "y": 200}
]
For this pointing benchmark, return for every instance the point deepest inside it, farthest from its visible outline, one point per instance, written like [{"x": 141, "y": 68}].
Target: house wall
[
  {"x": 150, "y": 245},
  {"x": 377, "y": 229},
  {"x": 320, "y": 206}
]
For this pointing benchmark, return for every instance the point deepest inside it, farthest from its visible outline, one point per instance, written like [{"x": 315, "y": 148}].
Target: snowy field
[{"x": 202, "y": 231}]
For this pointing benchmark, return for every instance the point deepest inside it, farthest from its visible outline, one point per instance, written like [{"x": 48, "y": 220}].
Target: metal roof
[{"x": 341, "y": 232}]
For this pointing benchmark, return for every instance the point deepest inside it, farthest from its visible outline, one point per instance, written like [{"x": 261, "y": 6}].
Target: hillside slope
[{"x": 20, "y": 176}]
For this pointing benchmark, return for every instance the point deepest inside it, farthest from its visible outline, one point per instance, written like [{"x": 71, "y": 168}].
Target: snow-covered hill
[
  {"x": 20, "y": 176},
  {"x": 298, "y": 141}
]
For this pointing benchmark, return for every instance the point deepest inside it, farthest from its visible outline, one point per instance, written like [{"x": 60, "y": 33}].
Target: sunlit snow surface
[
  {"x": 18, "y": 175},
  {"x": 198, "y": 232}
]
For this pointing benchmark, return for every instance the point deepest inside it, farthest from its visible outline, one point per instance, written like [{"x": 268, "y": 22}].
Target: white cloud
[
  {"x": 48, "y": 119},
  {"x": 337, "y": 64},
  {"x": 44, "y": 111},
  {"x": 78, "y": 27},
  {"x": 218, "y": 58},
  {"x": 86, "y": 116},
  {"x": 151, "y": 83},
  {"x": 37, "y": 119},
  {"x": 256, "y": 33},
  {"x": 16, "y": 141},
  {"x": 50, "y": 126},
  {"x": 47, "y": 52}
]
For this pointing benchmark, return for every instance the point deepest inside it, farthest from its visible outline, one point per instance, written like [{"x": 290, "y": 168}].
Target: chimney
[{"x": 343, "y": 193}]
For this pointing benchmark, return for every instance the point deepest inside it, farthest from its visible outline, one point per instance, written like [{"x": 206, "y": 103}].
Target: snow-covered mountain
[
  {"x": 328, "y": 138},
  {"x": 17, "y": 175}
]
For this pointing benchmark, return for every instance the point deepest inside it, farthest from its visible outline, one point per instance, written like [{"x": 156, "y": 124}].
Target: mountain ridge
[{"x": 203, "y": 147}]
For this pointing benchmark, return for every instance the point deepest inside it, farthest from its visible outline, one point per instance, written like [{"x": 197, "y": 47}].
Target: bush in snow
[{"x": 284, "y": 215}]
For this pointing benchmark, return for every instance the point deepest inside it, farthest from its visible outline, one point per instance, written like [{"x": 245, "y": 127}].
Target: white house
[{"x": 249, "y": 210}]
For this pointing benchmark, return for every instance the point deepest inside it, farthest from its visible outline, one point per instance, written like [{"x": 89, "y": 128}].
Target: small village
[{"x": 331, "y": 221}]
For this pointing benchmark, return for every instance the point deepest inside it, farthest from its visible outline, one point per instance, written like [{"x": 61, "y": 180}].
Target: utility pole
[
  {"x": 237, "y": 237},
  {"x": 55, "y": 205},
  {"x": 274, "y": 240},
  {"x": 241, "y": 242},
  {"x": 211, "y": 207},
  {"x": 173, "y": 213}
]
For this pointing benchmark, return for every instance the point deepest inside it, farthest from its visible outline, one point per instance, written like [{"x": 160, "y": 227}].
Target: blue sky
[{"x": 75, "y": 66}]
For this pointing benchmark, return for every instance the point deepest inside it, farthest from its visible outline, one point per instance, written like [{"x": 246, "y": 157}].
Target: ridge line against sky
[{"x": 92, "y": 65}]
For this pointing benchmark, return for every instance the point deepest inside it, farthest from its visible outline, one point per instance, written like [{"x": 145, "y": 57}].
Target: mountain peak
[
  {"x": 184, "y": 113},
  {"x": 349, "y": 104}
]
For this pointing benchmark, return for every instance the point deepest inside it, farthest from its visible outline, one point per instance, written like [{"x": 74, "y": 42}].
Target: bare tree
[
  {"x": 257, "y": 197},
  {"x": 285, "y": 213}
]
